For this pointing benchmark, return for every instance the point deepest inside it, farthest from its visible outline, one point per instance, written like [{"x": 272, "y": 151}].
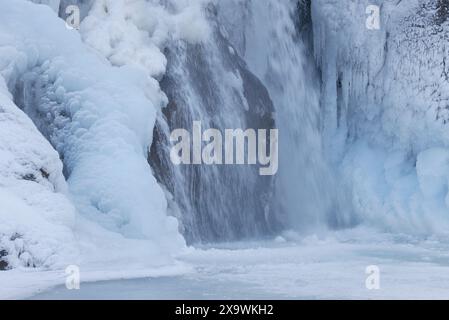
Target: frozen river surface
[{"x": 334, "y": 268}]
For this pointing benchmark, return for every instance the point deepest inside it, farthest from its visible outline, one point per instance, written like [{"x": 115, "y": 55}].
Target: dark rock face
[
  {"x": 442, "y": 12},
  {"x": 84, "y": 6},
  {"x": 303, "y": 18},
  {"x": 210, "y": 83},
  {"x": 3, "y": 262}
]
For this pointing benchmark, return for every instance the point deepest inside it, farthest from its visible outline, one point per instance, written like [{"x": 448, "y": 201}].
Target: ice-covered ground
[{"x": 331, "y": 267}]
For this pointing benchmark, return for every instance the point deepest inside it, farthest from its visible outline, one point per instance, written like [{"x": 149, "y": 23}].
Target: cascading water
[
  {"x": 210, "y": 83},
  {"x": 272, "y": 40}
]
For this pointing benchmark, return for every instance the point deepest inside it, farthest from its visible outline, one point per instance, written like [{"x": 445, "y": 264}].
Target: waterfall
[
  {"x": 210, "y": 83},
  {"x": 275, "y": 44}
]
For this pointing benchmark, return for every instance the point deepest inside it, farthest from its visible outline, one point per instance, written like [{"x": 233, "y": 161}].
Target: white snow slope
[{"x": 111, "y": 212}]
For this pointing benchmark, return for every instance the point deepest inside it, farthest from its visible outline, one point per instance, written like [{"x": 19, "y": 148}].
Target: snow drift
[{"x": 99, "y": 119}]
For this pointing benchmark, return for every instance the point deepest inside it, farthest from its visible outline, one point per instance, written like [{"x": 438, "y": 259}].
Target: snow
[
  {"x": 30, "y": 237},
  {"x": 135, "y": 32},
  {"x": 329, "y": 267},
  {"x": 25, "y": 283},
  {"x": 36, "y": 216},
  {"x": 111, "y": 210}
]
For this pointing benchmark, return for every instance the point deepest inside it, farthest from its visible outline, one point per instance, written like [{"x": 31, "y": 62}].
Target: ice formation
[
  {"x": 98, "y": 118},
  {"x": 384, "y": 96}
]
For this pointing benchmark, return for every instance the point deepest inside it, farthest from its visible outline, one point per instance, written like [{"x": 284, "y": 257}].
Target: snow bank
[
  {"x": 100, "y": 119},
  {"x": 135, "y": 32},
  {"x": 36, "y": 218}
]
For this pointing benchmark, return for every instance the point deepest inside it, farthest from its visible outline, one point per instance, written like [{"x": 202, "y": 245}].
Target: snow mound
[
  {"x": 135, "y": 32},
  {"x": 36, "y": 217},
  {"x": 100, "y": 120}
]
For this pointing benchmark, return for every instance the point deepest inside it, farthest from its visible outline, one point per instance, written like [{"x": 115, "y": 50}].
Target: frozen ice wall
[{"x": 384, "y": 96}]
